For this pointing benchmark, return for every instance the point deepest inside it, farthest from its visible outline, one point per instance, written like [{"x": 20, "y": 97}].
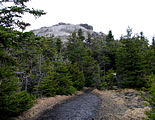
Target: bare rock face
[
  {"x": 63, "y": 30},
  {"x": 89, "y": 27}
]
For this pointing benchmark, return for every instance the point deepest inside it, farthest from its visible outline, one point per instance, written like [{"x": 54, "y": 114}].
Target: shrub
[
  {"x": 151, "y": 98},
  {"x": 48, "y": 86},
  {"x": 77, "y": 76},
  {"x": 14, "y": 104}
]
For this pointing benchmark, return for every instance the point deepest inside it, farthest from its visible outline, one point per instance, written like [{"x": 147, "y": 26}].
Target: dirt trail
[
  {"x": 82, "y": 107},
  {"x": 124, "y": 104}
]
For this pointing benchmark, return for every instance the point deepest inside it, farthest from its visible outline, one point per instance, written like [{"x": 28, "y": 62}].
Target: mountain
[{"x": 63, "y": 30}]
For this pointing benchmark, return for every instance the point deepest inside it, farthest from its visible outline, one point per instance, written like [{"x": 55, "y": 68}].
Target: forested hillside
[{"x": 32, "y": 66}]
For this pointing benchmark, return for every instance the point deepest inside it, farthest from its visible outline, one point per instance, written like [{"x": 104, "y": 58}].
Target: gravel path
[
  {"x": 82, "y": 107},
  {"x": 99, "y": 105}
]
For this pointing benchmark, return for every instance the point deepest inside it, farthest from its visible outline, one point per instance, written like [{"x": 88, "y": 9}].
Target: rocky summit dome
[{"x": 63, "y": 30}]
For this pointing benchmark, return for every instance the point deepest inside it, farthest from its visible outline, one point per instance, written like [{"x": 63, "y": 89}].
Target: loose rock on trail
[
  {"x": 124, "y": 104},
  {"x": 82, "y": 107}
]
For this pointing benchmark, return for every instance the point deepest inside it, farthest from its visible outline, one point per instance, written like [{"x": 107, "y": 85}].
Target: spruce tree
[
  {"x": 77, "y": 76},
  {"x": 13, "y": 101},
  {"x": 130, "y": 61}
]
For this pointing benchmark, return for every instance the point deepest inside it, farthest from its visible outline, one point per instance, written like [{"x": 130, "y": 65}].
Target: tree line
[{"x": 32, "y": 66}]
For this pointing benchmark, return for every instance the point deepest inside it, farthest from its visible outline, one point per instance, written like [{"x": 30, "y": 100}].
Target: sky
[{"x": 103, "y": 15}]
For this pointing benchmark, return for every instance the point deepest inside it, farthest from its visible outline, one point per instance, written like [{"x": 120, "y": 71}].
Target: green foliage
[
  {"x": 102, "y": 86},
  {"x": 46, "y": 67},
  {"x": 75, "y": 49},
  {"x": 48, "y": 85},
  {"x": 15, "y": 103},
  {"x": 151, "y": 114},
  {"x": 80, "y": 35},
  {"x": 10, "y": 17},
  {"x": 58, "y": 45},
  {"x": 109, "y": 37},
  {"x": 150, "y": 60},
  {"x": 151, "y": 98},
  {"x": 9, "y": 84},
  {"x": 109, "y": 79},
  {"x": 89, "y": 69},
  {"x": 63, "y": 79},
  {"x": 130, "y": 62},
  {"x": 77, "y": 76},
  {"x": 57, "y": 81},
  {"x": 9, "y": 38},
  {"x": 17, "y": 2},
  {"x": 79, "y": 53},
  {"x": 12, "y": 102},
  {"x": 15, "y": 59}
]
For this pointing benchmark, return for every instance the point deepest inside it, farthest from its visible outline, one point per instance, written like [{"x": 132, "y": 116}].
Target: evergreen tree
[
  {"x": 150, "y": 87},
  {"x": 89, "y": 67},
  {"x": 63, "y": 79},
  {"x": 48, "y": 85},
  {"x": 80, "y": 35},
  {"x": 13, "y": 101},
  {"x": 130, "y": 61},
  {"x": 75, "y": 49},
  {"x": 77, "y": 76},
  {"x": 10, "y": 16},
  {"x": 109, "y": 37},
  {"x": 78, "y": 52}
]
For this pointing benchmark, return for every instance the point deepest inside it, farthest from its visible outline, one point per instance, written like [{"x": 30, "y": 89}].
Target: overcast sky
[{"x": 103, "y": 15}]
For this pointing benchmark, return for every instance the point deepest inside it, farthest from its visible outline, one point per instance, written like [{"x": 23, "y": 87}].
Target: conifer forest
[{"x": 34, "y": 66}]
